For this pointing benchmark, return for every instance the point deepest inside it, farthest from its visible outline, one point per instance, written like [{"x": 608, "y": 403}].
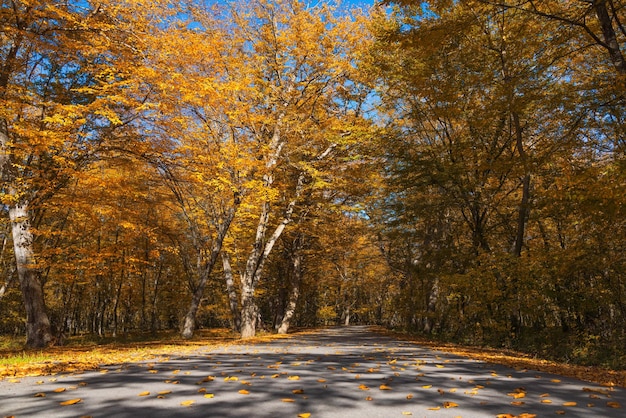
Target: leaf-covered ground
[{"x": 81, "y": 356}]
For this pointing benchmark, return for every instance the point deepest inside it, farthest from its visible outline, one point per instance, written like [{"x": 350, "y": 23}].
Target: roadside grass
[
  {"x": 517, "y": 360},
  {"x": 82, "y": 353}
]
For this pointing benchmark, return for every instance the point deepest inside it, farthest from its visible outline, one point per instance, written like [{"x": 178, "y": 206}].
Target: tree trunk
[
  {"x": 431, "y": 306},
  {"x": 249, "y": 314},
  {"x": 611, "y": 42},
  {"x": 38, "y": 332},
  {"x": 524, "y": 205},
  {"x": 189, "y": 325},
  {"x": 232, "y": 292},
  {"x": 294, "y": 293}
]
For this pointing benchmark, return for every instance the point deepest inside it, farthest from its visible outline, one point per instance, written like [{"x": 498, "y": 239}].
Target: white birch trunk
[
  {"x": 294, "y": 292},
  {"x": 232, "y": 292},
  {"x": 38, "y": 332}
]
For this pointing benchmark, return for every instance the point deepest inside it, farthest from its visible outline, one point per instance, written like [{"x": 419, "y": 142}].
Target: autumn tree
[{"x": 59, "y": 91}]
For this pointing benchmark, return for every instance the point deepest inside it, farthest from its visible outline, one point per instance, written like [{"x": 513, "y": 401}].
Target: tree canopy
[{"x": 451, "y": 168}]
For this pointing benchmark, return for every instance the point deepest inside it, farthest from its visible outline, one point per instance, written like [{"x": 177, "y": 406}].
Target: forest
[{"x": 455, "y": 169}]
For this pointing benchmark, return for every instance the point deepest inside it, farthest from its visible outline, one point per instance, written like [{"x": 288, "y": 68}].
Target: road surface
[{"x": 338, "y": 372}]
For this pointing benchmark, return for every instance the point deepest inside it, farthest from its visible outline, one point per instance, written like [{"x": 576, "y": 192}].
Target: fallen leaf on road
[
  {"x": 517, "y": 403},
  {"x": 298, "y": 391},
  {"x": 187, "y": 403},
  {"x": 407, "y": 413},
  {"x": 384, "y": 387},
  {"x": 201, "y": 390},
  {"x": 59, "y": 390},
  {"x": 70, "y": 402},
  {"x": 293, "y": 378},
  {"x": 613, "y": 405},
  {"x": 144, "y": 394},
  {"x": 363, "y": 387},
  {"x": 546, "y": 401},
  {"x": 527, "y": 415},
  {"x": 517, "y": 395},
  {"x": 287, "y": 400},
  {"x": 409, "y": 396},
  {"x": 434, "y": 408},
  {"x": 439, "y": 366},
  {"x": 321, "y": 380},
  {"x": 304, "y": 415},
  {"x": 427, "y": 386},
  {"x": 450, "y": 405},
  {"x": 505, "y": 416},
  {"x": 244, "y": 392},
  {"x": 569, "y": 404},
  {"x": 165, "y": 392},
  {"x": 555, "y": 381},
  {"x": 560, "y": 412},
  {"x": 40, "y": 395},
  {"x": 369, "y": 398},
  {"x": 209, "y": 395}
]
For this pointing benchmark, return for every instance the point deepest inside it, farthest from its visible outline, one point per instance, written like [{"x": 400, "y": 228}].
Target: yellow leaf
[
  {"x": 274, "y": 376},
  {"x": 427, "y": 386},
  {"x": 407, "y": 413},
  {"x": 304, "y": 415},
  {"x": 560, "y": 412},
  {"x": 144, "y": 394},
  {"x": 546, "y": 401},
  {"x": 209, "y": 395},
  {"x": 321, "y": 380},
  {"x": 363, "y": 387},
  {"x": 450, "y": 405},
  {"x": 517, "y": 403},
  {"x": 555, "y": 381},
  {"x": 505, "y": 416},
  {"x": 439, "y": 366},
  {"x": 165, "y": 392},
  {"x": 293, "y": 378},
  {"x": 409, "y": 396},
  {"x": 40, "y": 395},
  {"x": 153, "y": 371},
  {"x": 187, "y": 403},
  {"x": 201, "y": 390},
  {"x": 517, "y": 395},
  {"x": 369, "y": 398},
  {"x": 615, "y": 405},
  {"x": 231, "y": 379},
  {"x": 287, "y": 400},
  {"x": 298, "y": 391},
  {"x": 70, "y": 402},
  {"x": 527, "y": 415},
  {"x": 569, "y": 404},
  {"x": 384, "y": 387},
  {"x": 544, "y": 395},
  {"x": 434, "y": 408},
  {"x": 244, "y": 392}
]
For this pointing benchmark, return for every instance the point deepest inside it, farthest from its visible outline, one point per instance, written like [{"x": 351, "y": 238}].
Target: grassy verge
[
  {"x": 519, "y": 361},
  {"x": 88, "y": 353}
]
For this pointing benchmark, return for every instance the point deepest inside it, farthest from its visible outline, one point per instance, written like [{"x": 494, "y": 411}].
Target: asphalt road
[{"x": 339, "y": 372}]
